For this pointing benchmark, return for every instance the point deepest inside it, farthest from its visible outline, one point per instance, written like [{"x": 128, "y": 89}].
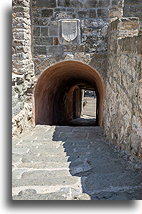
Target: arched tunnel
[{"x": 57, "y": 94}]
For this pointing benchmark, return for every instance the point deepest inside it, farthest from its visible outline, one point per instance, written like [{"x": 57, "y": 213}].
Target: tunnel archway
[{"x": 55, "y": 89}]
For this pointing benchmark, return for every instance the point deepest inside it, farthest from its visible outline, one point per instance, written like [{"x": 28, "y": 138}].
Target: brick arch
[{"x": 53, "y": 84}]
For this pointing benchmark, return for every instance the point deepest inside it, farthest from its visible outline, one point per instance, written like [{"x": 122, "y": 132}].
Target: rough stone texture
[
  {"x": 94, "y": 20},
  {"x": 21, "y": 56},
  {"x": 22, "y": 66},
  {"x": 110, "y": 45},
  {"x": 133, "y": 9},
  {"x": 71, "y": 163},
  {"x": 123, "y": 99}
]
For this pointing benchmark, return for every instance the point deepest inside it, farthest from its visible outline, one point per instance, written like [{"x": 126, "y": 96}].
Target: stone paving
[{"x": 71, "y": 163}]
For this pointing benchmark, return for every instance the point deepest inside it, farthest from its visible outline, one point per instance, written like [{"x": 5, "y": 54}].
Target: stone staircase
[{"x": 70, "y": 163}]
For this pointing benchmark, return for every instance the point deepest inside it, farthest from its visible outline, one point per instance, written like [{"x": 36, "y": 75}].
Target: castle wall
[
  {"x": 123, "y": 85},
  {"x": 36, "y": 46},
  {"x": 22, "y": 65},
  {"x": 133, "y": 9},
  {"x": 93, "y": 15}
]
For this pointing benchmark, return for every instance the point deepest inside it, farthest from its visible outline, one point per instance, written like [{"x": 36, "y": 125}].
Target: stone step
[
  {"x": 45, "y": 174},
  {"x": 77, "y": 133},
  {"x": 35, "y": 143},
  {"x": 107, "y": 166},
  {"x": 91, "y": 154},
  {"x": 65, "y": 193},
  {"x": 44, "y": 165},
  {"x": 58, "y": 158},
  {"x": 20, "y": 149},
  {"x": 32, "y": 195},
  {"x": 84, "y": 146},
  {"x": 60, "y": 149},
  {"x": 35, "y": 158},
  {"x": 16, "y": 158},
  {"x": 46, "y": 181},
  {"x": 110, "y": 180},
  {"x": 119, "y": 195},
  {"x": 59, "y": 145},
  {"x": 37, "y": 135},
  {"x": 48, "y": 151},
  {"x": 81, "y": 168}
]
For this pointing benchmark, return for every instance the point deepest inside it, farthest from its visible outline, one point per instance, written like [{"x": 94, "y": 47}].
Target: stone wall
[
  {"x": 22, "y": 65},
  {"x": 123, "y": 86},
  {"x": 94, "y": 16},
  {"x": 133, "y": 9},
  {"x": 36, "y": 39}
]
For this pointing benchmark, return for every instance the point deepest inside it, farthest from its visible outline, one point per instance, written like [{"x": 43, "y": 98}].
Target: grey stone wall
[
  {"x": 133, "y": 9},
  {"x": 94, "y": 16},
  {"x": 123, "y": 86},
  {"x": 22, "y": 65}
]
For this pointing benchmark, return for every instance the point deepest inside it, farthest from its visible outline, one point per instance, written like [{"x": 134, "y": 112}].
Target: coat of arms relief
[{"x": 69, "y": 31}]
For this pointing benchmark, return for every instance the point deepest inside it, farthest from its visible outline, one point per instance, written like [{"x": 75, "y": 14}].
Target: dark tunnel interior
[{"x": 57, "y": 95}]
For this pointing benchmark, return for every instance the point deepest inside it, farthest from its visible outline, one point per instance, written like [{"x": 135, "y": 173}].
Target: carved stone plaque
[{"x": 69, "y": 31}]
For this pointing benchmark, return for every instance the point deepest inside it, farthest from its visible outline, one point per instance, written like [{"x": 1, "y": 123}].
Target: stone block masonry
[
  {"x": 22, "y": 65},
  {"x": 94, "y": 19},
  {"x": 123, "y": 108},
  {"x": 133, "y": 9},
  {"x": 21, "y": 26}
]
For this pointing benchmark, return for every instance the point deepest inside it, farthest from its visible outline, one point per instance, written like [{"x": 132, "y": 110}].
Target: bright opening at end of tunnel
[{"x": 88, "y": 109}]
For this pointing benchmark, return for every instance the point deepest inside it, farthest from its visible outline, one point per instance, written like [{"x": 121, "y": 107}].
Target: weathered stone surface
[
  {"x": 43, "y": 165},
  {"x": 43, "y": 41},
  {"x": 45, "y": 3},
  {"x": 41, "y": 21},
  {"x": 91, "y": 173},
  {"x": 36, "y": 31},
  {"x": 102, "y": 12},
  {"x": 83, "y": 14},
  {"x": 124, "y": 61},
  {"x": 103, "y": 3},
  {"x": 21, "y": 63},
  {"x": 43, "y": 157},
  {"x": 44, "y": 31},
  {"x": 53, "y": 29},
  {"x": 31, "y": 194},
  {"x": 74, "y": 48},
  {"x": 46, "y": 12},
  {"x": 115, "y": 12},
  {"x": 24, "y": 3},
  {"x": 16, "y": 158},
  {"x": 78, "y": 3},
  {"x": 54, "y": 51},
  {"x": 92, "y": 13},
  {"x": 82, "y": 197},
  {"x": 47, "y": 181},
  {"x": 40, "y": 50},
  {"x": 132, "y": 9}
]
